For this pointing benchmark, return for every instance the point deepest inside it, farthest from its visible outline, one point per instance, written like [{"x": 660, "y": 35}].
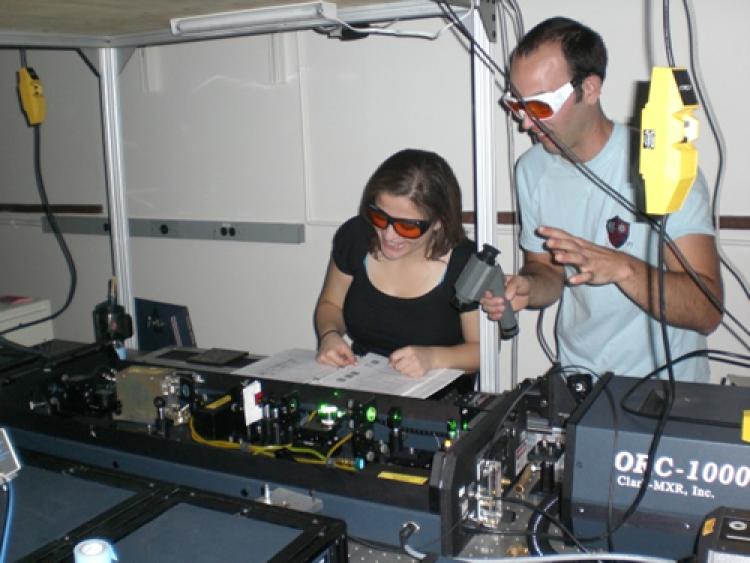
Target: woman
[{"x": 390, "y": 280}]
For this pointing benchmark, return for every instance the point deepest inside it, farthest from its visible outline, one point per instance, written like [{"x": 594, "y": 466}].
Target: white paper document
[{"x": 372, "y": 373}]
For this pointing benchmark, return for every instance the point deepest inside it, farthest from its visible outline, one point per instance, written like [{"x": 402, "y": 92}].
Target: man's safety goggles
[
  {"x": 541, "y": 106},
  {"x": 407, "y": 228}
]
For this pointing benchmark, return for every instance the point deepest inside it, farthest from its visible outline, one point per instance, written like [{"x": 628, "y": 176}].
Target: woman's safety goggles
[
  {"x": 542, "y": 106},
  {"x": 407, "y": 228}
]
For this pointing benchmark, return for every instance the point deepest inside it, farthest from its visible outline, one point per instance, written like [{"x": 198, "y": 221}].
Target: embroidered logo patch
[{"x": 618, "y": 231}]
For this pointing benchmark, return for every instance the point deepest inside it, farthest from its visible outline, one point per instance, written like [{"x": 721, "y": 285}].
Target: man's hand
[
  {"x": 516, "y": 293},
  {"x": 596, "y": 265}
]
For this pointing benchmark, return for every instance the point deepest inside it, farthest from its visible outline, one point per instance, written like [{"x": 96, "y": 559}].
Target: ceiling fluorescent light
[{"x": 289, "y": 16}]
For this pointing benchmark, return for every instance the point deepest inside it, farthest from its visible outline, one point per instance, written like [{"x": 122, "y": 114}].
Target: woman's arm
[
  {"x": 415, "y": 361},
  {"x": 329, "y": 319}
]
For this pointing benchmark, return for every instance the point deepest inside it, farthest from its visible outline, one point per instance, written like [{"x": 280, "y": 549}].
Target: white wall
[
  {"x": 73, "y": 172},
  {"x": 287, "y": 128}
]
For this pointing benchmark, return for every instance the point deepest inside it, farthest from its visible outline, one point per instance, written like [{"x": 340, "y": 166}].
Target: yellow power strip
[{"x": 32, "y": 96}]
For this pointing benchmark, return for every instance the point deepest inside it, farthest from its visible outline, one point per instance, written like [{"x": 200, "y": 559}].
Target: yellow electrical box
[
  {"x": 32, "y": 95},
  {"x": 668, "y": 159}
]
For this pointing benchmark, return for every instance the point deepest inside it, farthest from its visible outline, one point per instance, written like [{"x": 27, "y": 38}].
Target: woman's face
[{"x": 392, "y": 245}]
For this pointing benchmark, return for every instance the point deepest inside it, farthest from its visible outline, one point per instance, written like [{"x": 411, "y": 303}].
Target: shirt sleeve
[
  {"x": 528, "y": 206},
  {"x": 695, "y": 215},
  {"x": 350, "y": 244},
  {"x": 458, "y": 261}
]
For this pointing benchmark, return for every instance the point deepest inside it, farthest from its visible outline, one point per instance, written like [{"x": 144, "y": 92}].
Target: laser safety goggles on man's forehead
[
  {"x": 542, "y": 106},
  {"x": 407, "y": 228}
]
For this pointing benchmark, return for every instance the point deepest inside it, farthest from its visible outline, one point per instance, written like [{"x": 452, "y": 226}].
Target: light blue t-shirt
[{"x": 599, "y": 327}]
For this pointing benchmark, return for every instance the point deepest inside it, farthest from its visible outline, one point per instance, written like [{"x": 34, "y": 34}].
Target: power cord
[
  {"x": 58, "y": 236},
  {"x": 7, "y": 488},
  {"x": 406, "y": 531}
]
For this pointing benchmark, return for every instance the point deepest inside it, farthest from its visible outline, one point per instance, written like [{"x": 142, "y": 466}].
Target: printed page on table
[
  {"x": 372, "y": 373},
  {"x": 294, "y": 365}
]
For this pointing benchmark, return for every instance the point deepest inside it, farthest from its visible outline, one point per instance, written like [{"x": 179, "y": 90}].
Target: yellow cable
[
  {"x": 268, "y": 451},
  {"x": 308, "y": 451},
  {"x": 215, "y": 443},
  {"x": 338, "y": 444},
  {"x": 336, "y": 464}
]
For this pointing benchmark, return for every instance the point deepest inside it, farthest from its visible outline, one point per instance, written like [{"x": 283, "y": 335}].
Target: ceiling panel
[{"x": 109, "y": 17}]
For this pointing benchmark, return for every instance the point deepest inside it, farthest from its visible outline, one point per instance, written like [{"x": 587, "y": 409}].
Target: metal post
[
  {"x": 109, "y": 78},
  {"x": 483, "y": 92}
]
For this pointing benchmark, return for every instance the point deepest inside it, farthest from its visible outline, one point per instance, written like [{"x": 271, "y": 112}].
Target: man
[{"x": 583, "y": 247}]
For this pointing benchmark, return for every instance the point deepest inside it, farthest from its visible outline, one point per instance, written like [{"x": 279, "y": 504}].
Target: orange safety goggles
[
  {"x": 407, "y": 228},
  {"x": 541, "y": 106}
]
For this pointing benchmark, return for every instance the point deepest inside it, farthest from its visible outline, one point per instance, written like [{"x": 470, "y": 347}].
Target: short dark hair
[
  {"x": 430, "y": 184},
  {"x": 583, "y": 48}
]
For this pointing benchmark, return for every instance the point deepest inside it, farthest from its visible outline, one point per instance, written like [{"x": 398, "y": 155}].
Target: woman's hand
[
  {"x": 334, "y": 351},
  {"x": 413, "y": 361}
]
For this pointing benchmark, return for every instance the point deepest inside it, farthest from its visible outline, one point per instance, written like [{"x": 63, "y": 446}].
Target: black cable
[
  {"x": 669, "y": 391},
  {"x": 517, "y": 17},
  {"x": 514, "y": 533},
  {"x": 406, "y": 531},
  {"x": 486, "y": 57},
  {"x": 58, "y": 236},
  {"x": 709, "y": 117},
  {"x": 590, "y": 175},
  {"x": 610, "y": 529},
  {"x": 662, "y": 290},
  {"x": 374, "y": 544},
  {"x": 667, "y": 33},
  {"x": 551, "y": 356},
  {"x": 577, "y": 368},
  {"x": 634, "y": 411},
  {"x": 5, "y": 486},
  {"x": 611, "y": 490},
  {"x": 533, "y": 541},
  {"x": 717, "y": 139},
  {"x": 556, "y": 521},
  {"x": 669, "y": 397},
  {"x": 526, "y": 386}
]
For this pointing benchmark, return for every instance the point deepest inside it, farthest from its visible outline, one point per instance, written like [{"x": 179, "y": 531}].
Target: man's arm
[
  {"x": 686, "y": 305},
  {"x": 545, "y": 281}
]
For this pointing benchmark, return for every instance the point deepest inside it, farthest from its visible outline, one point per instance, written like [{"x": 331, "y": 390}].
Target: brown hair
[{"x": 430, "y": 184}]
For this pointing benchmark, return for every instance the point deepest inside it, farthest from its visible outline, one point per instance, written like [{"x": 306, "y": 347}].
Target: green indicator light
[
  {"x": 394, "y": 417},
  {"x": 371, "y": 414},
  {"x": 327, "y": 409},
  {"x": 465, "y": 425},
  {"x": 452, "y": 428}
]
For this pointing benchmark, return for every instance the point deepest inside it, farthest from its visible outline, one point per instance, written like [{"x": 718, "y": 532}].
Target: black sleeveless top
[{"x": 380, "y": 323}]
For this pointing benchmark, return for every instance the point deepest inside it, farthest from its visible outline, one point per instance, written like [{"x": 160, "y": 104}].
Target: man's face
[{"x": 543, "y": 71}]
